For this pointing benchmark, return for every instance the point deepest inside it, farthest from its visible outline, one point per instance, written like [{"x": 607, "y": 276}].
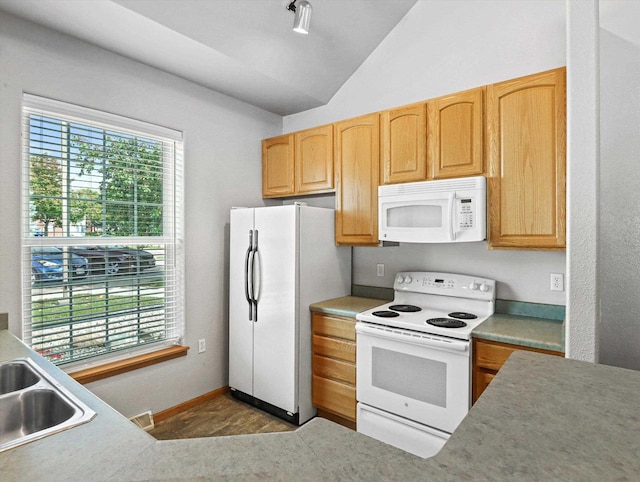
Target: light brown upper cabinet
[
  {"x": 455, "y": 135},
  {"x": 278, "y": 166},
  {"x": 314, "y": 160},
  {"x": 526, "y": 129},
  {"x": 299, "y": 163},
  {"x": 404, "y": 144},
  {"x": 357, "y": 155}
]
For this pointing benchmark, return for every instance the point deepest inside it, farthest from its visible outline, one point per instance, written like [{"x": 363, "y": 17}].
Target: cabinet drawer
[
  {"x": 334, "y": 326},
  {"x": 334, "y": 369},
  {"x": 335, "y": 397},
  {"x": 334, "y": 348},
  {"x": 491, "y": 356}
]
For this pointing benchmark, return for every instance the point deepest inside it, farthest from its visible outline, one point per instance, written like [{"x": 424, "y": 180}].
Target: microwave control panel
[{"x": 465, "y": 213}]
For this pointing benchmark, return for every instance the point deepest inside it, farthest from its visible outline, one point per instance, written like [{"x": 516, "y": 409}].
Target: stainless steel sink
[
  {"x": 34, "y": 405},
  {"x": 16, "y": 376}
]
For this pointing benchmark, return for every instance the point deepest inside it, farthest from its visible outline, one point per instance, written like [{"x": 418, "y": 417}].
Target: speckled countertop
[
  {"x": 346, "y": 305},
  {"x": 527, "y": 331},
  {"x": 542, "y": 418},
  {"x": 523, "y": 331}
]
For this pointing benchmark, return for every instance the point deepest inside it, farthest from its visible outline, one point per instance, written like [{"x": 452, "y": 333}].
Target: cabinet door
[
  {"x": 455, "y": 135},
  {"x": 357, "y": 153},
  {"x": 404, "y": 144},
  {"x": 314, "y": 160},
  {"x": 526, "y": 129},
  {"x": 488, "y": 358},
  {"x": 277, "y": 166}
]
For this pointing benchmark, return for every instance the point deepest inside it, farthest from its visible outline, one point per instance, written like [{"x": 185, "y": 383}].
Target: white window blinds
[{"x": 102, "y": 233}]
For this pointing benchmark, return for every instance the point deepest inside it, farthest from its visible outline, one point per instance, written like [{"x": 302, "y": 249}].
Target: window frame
[{"x": 118, "y": 361}]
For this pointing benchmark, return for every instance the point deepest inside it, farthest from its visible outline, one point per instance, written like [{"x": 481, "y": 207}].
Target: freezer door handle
[
  {"x": 256, "y": 282},
  {"x": 254, "y": 292},
  {"x": 247, "y": 294}
]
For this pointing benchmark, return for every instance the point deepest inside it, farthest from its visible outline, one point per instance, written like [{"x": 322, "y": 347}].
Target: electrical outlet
[
  {"x": 202, "y": 346},
  {"x": 557, "y": 282},
  {"x": 380, "y": 269}
]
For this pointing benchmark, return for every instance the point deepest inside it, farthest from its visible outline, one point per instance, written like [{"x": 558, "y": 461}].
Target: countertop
[
  {"x": 523, "y": 330},
  {"x": 542, "y": 418},
  {"x": 527, "y": 331},
  {"x": 346, "y": 305}
]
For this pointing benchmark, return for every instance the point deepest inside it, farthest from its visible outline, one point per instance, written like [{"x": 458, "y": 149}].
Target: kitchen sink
[
  {"x": 33, "y": 405},
  {"x": 16, "y": 376}
]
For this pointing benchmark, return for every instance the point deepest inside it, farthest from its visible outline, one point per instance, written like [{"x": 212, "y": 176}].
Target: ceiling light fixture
[{"x": 303, "y": 16}]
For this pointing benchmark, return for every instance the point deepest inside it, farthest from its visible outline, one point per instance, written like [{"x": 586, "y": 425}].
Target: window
[{"x": 102, "y": 239}]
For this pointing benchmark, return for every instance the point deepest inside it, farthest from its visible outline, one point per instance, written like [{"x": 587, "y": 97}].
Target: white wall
[
  {"x": 619, "y": 233},
  {"x": 582, "y": 179},
  {"x": 222, "y": 168},
  {"x": 442, "y": 47}
]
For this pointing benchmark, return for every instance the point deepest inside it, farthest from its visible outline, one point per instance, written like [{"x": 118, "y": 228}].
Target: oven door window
[{"x": 426, "y": 381}]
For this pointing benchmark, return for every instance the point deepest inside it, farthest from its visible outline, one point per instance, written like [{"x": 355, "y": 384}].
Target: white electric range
[{"x": 414, "y": 358}]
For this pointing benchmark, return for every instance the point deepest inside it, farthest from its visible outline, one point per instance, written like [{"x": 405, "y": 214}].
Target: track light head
[{"x": 302, "y": 19}]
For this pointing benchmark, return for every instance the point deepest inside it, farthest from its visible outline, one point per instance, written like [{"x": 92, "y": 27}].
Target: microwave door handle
[{"x": 452, "y": 213}]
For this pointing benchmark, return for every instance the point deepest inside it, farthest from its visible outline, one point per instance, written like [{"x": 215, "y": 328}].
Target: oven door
[{"x": 418, "y": 376}]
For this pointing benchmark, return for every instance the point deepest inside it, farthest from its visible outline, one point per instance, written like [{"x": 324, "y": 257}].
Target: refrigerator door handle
[
  {"x": 247, "y": 294},
  {"x": 255, "y": 293}
]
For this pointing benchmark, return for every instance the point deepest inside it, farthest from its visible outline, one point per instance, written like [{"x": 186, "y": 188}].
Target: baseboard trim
[
  {"x": 194, "y": 402},
  {"x": 345, "y": 422}
]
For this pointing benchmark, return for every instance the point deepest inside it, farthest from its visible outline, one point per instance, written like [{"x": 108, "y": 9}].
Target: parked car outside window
[
  {"x": 47, "y": 264},
  {"x": 115, "y": 260}
]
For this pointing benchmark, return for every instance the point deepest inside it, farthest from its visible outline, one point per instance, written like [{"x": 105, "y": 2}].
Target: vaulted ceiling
[{"x": 245, "y": 49}]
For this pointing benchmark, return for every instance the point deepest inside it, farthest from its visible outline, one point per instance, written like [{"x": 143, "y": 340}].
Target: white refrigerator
[{"x": 282, "y": 259}]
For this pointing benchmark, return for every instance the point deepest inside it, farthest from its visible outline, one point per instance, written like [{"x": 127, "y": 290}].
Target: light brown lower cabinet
[
  {"x": 488, "y": 358},
  {"x": 334, "y": 368}
]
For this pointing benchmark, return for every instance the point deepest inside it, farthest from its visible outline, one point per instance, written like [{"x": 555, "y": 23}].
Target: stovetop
[{"x": 455, "y": 304}]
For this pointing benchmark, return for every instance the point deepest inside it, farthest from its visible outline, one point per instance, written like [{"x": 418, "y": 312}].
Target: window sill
[{"x": 107, "y": 370}]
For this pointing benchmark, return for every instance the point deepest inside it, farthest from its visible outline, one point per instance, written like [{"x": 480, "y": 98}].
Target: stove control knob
[
  {"x": 484, "y": 287},
  {"x": 400, "y": 280},
  {"x": 473, "y": 286},
  {"x": 408, "y": 279}
]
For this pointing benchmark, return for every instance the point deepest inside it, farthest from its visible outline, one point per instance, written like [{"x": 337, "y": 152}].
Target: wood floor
[{"x": 221, "y": 416}]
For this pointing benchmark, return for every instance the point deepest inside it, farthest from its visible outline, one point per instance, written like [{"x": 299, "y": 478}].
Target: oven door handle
[{"x": 415, "y": 338}]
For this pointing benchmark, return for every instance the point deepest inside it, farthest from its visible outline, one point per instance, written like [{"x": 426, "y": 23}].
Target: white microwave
[{"x": 444, "y": 211}]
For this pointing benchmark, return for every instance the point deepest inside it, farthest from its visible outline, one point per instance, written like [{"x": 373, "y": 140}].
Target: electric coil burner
[
  {"x": 460, "y": 315},
  {"x": 446, "y": 323},
  {"x": 385, "y": 314},
  {"x": 405, "y": 308}
]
